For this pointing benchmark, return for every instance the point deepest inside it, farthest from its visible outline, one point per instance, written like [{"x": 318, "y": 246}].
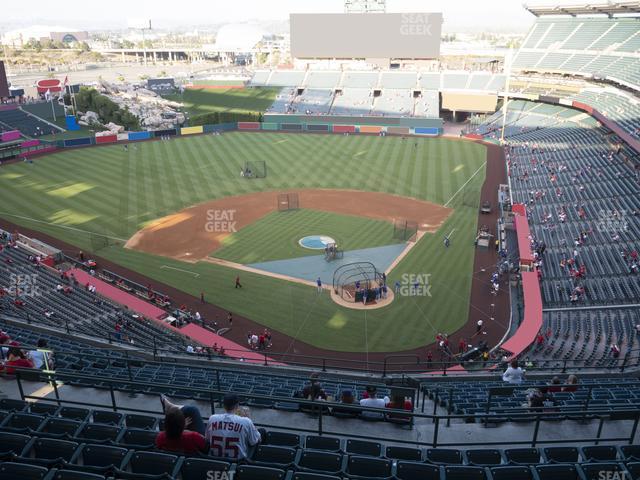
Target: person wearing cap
[{"x": 229, "y": 434}]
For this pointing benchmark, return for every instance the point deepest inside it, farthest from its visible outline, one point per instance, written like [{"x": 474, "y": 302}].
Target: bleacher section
[
  {"x": 79, "y": 311},
  {"x": 583, "y": 200},
  {"x": 313, "y": 101},
  {"x": 353, "y": 101},
  {"x": 28, "y": 124},
  {"x": 79, "y": 443},
  {"x": 586, "y": 336},
  {"x": 394, "y": 102},
  {"x": 595, "y": 47}
]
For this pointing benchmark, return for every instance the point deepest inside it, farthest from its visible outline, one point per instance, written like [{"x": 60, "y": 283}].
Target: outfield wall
[
  {"x": 373, "y": 125},
  {"x": 293, "y": 123}
]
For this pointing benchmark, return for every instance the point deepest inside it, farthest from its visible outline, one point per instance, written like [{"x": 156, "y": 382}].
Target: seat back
[
  {"x": 330, "y": 444},
  {"x": 447, "y": 456},
  {"x": 14, "y": 471},
  {"x": 484, "y": 457},
  {"x": 282, "y": 439},
  {"x": 50, "y": 449},
  {"x": 520, "y": 472},
  {"x": 525, "y": 456},
  {"x": 369, "y": 467},
  {"x": 12, "y": 443},
  {"x": 60, "y": 426},
  {"x": 153, "y": 463},
  {"x": 274, "y": 455},
  {"x": 320, "y": 461},
  {"x": 464, "y": 473},
  {"x": 599, "y": 453},
  {"x": 561, "y": 454},
  {"x": 404, "y": 453},
  {"x": 417, "y": 471},
  {"x": 199, "y": 468},
  {"x": 252, "y": 472},
  {"x": 141, "y": 421},
  {"x": 557, "y": 472},
  {"x": 361, "y": 447},
  {"x": 102, "y": 456}
]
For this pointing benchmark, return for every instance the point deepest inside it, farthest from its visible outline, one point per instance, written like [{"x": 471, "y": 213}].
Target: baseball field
[{"x": 351, "y": 188}]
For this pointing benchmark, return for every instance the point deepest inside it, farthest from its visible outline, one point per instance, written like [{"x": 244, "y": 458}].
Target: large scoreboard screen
[{"x": 366, "y": 35}]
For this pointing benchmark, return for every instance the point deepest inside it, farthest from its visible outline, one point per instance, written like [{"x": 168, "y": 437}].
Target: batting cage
[
  {"x": 255, "y": 169},
  {"x": 288, "y": 201},
  {"x": 405, "y": 230},
  {"x": 358, "y": 282}
]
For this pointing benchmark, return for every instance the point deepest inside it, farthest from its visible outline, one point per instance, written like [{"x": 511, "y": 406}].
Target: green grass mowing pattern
[
  {"x": 242, "y": 100},
  {"x": 114, "y": 192},
  {"x": 275, "y": 236}
]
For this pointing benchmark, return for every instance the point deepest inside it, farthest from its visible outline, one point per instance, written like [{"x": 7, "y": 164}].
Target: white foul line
[
  {"x": 62, "y": 226},
  {"x": 181, "y": 270},
  {"x": 465, "y": 184}
]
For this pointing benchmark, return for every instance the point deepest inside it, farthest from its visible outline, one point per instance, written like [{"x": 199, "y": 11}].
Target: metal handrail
[{"x": 319, "y": 407}]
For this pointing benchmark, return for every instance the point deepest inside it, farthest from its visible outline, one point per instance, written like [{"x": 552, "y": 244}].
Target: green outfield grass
[
  {"x": 198, "y": 101},
  {"x": 116, "y": 193},
  {"x": 275, "y": 236}
]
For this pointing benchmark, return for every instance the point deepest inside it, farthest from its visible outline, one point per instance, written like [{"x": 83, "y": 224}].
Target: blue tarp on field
[{"x": 310, "y": 268}]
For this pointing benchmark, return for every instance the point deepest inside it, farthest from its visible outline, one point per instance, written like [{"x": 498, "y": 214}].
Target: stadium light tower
[{"x": 365, "y": 6}]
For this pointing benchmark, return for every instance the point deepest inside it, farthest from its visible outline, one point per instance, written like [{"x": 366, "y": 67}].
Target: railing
[
  {"x": 321, "y": 410},
  {"x": 390, "y": 365}
]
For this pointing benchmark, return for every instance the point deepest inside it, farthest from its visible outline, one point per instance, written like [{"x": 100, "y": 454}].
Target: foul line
[
  {"x": 180, "y": 270},
  {"x": 465, "y": 183},
  {"x": 61, "y": 226}
]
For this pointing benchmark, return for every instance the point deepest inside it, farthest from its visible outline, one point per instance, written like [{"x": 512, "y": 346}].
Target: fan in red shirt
[
  {"x": 399, "y": 402},
  {"x": 15, "y": 358},
  {"x": 175, "y": 438}
]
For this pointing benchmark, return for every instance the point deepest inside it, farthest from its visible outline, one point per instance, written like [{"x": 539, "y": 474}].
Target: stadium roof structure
[{"x": 605, "y": 8}]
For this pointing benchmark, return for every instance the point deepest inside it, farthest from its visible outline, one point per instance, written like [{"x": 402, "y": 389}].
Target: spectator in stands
[
  {"x": 175, "y": 438},
  {"x": 572, "y": 384},
  {"x": 15, "y": 358},
  {"x": 400, "y": 402},
  {"x": 554, "y": 386},
  {"x": 231, "y": 435},
  {"x": 538, "y": 398},
  {"x": 615, "y": 350},
  {"x": 514, "y": 373},
  {"x": 192, "y": 417},
  {"x": 313, "y": 390},
  {"x": 41, "y": 358},
  {"x": 372, "y": 399}
]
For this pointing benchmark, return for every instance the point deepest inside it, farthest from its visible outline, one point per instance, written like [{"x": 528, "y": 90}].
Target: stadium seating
[
  {"x": 604, "y": 45},
  {"x": 353, "y": 101},
  {"x": 33, "y": 454},
  {"x": 82, "y": 312},
  {"x": 28, "y": 124}
]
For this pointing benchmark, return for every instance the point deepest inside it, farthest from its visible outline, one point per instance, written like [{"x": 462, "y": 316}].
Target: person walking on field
[
  {"x": 230, "y": 319},
  {"x": 319, "y": 283},
  {"x": 238, "y": 284},
  {"x": 479, "y": 327}
]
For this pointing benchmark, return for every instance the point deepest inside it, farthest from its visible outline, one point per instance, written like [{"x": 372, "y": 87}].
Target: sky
[{"x": 503, "y": 15}]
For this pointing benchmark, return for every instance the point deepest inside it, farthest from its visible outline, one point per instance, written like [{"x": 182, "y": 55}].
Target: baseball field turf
[{"x": 113, "y": 192}]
